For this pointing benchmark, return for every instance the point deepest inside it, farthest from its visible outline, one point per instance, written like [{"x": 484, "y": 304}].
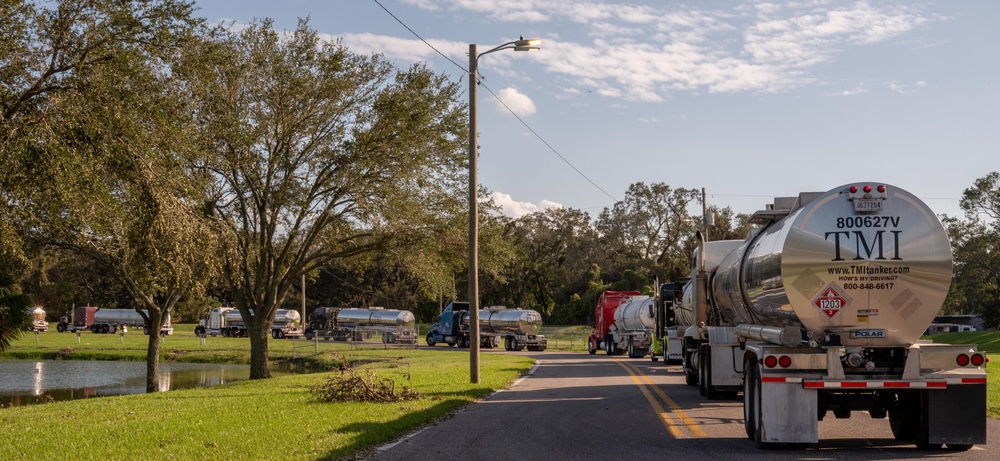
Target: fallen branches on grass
[{"x": 348, "y": 386}]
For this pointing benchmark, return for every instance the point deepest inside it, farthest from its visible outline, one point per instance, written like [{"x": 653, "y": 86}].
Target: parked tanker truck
[
  {"x": 343, "y": 324},
  {"x": 623, "y": 322},
  {"x": 287, "y": 323},
  {"x": 518, "y": 328},
  {"x": 99, "y": 320},
  {"x": 38, "y": 322},
  {"x": 225, "y": 321},
  {"x": 820, "y": 310}
]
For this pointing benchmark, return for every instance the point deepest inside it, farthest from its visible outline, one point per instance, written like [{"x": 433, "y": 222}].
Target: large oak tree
[{"x": 316, "y": 153}]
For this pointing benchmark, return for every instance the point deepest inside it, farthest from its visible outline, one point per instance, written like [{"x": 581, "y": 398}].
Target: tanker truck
[
  {"x": 225, "y": 321},
  {"x": 38, "y": 322},
  {"x": 286, "y": 324},
  {"x": 518, "y": 327},
  {"x": 820, "y": 310},
  {"x": 604, "y": 320},
  {"x": 99, "y": 320},
  {"x": 395, "y": 326},
  {"x": 624, "y": 321}
]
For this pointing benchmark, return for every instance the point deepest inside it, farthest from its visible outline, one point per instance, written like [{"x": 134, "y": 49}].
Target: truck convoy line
[
  {"x": 99, "y": 320},
  {"x": 519, "y": 328},
  {"x": 819, "y": 313}
]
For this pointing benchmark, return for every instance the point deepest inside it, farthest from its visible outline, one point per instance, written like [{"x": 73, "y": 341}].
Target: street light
[{"x": 517, "y": 45}]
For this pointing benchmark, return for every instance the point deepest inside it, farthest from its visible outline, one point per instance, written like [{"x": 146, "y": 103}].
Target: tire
[
  {"x": 274, "y": 334},
  {"x": 758, "y": 435},
  {"x": 609, "y": 345},
  {"x": 705, "y": 371},
  {"x": 61, "y": 328},
  {"x": 749, "y": 399},
  {"x": 430, "y": 340},
  {"x": 690, "y": 378},
  {"x": 904, "y": 418}
]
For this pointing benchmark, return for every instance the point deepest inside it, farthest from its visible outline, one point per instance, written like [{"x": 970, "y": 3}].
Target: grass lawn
[{"x": 278, "y": 418}]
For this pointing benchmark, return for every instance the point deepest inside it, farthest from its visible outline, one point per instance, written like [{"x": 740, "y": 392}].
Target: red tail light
[
  {"x": 785, "y": 361},
  {"x": 962, "y": 360},
  {"x": 770, "y": 361},
  {"x": 978, "y": 360}
]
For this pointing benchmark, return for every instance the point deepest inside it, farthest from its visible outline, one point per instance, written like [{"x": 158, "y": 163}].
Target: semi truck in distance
[
  {"x": 517, "y": 328},
  {"x": 819, "y": 313},
  {"x": 352, "y": 324},
  {"x": 225, "y": 321},
  {"x": 38, "y": 322},
  {"x": 99, "y": 320},
  {"x": 623, "y": 322},
  {"x": 287, "y": 323}
]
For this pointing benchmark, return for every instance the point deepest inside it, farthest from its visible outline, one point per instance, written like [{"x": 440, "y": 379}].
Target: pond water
[{"x": 25, "y": 382}]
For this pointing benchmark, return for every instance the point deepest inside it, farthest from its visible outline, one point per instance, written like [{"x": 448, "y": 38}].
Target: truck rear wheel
[
  {"x": 749, "y": 408},
  {"x": 705, "y": 374}
]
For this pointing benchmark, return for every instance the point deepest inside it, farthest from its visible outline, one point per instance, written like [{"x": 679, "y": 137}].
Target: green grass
[{"x": 276, "y": 418}]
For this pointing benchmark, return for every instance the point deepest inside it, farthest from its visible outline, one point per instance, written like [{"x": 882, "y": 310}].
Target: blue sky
[{"x": 747, "y": 99}]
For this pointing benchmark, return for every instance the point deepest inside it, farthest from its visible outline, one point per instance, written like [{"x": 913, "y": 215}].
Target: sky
[{"x": 748, "y": 100}]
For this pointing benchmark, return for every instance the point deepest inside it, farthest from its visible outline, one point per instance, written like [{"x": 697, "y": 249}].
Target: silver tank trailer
[
  {"x": 233, "y": 317},
  {"x": 286, "y": 317},
  {"x": 636, "y": 314},
  {"x": 503, "y": 321},
  {"x": 119, "y": 316},
  {"x": 387, "y": 317},
  {"x": 873, "y": 267}
]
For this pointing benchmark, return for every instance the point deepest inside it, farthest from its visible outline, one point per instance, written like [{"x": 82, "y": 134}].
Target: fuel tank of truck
[
  {"x": 636, "y": 314},
  {"x": 865, "y": 264},
  {"x": 390, "y": 317},
  {"x": 286, "y": 317},
  {"x": 501, "y": 320}
]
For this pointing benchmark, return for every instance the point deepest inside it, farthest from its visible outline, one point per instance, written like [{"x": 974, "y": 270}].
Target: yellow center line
[
  {"x": 691, "y": 424},
  {"x": 668, "y": 422}
]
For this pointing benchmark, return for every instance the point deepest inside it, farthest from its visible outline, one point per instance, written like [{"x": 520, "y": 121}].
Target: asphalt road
[{"x": 576, "y": 406}]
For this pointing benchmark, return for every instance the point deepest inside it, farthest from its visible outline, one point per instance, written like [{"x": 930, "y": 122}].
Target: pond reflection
[{"x": 25, "y": 382}]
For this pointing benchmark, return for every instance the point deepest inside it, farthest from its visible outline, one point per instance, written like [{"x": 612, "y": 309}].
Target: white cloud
[
  {"x": 645, "y": 52},
  {"x": 514, "y": 209},
  {"x": 516, "y": 101}
]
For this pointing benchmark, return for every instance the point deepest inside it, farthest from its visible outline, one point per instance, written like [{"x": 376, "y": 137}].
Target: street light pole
[{"x": 474, "y": 336}]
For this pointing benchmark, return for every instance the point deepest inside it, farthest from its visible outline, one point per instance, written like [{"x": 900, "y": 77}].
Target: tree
[
  {"x": 96, "y": 147},
  {"x": 647, "y": 230},
  {"x": 976, "y": 245},
  {"x": 14, "y": 310},
  {"x": 555, "y": 251},
  {"x": 315, "y": 153}
]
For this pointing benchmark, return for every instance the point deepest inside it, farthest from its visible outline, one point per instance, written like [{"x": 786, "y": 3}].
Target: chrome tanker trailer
[
  {"x": 38, "y": 322},
  {"x": 287, "y": 323},
  {"x": 342, "y": 324},
  {"x": 519, "y": 328},
  {"x": 820, "y": 310},
  {"x": 633, "y": 322},
  {"x": 99, "y": 320}
]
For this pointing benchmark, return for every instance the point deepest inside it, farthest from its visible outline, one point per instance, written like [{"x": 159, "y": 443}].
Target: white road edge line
[{"x": 389, "y": 445}]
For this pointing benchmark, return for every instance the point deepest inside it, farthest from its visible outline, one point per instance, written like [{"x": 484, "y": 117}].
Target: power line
[
  {"x": 533, "y": 132},
  {"x": 553, "y": 149}
]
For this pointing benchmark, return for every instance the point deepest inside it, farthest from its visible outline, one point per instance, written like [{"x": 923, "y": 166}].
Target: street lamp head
[{"x": 527, "y": 44}]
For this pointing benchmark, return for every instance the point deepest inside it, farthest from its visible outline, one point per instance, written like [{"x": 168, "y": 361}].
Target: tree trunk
[
  {"x": 259, "y": 331},
  {"x": 153, "y": 352}
]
